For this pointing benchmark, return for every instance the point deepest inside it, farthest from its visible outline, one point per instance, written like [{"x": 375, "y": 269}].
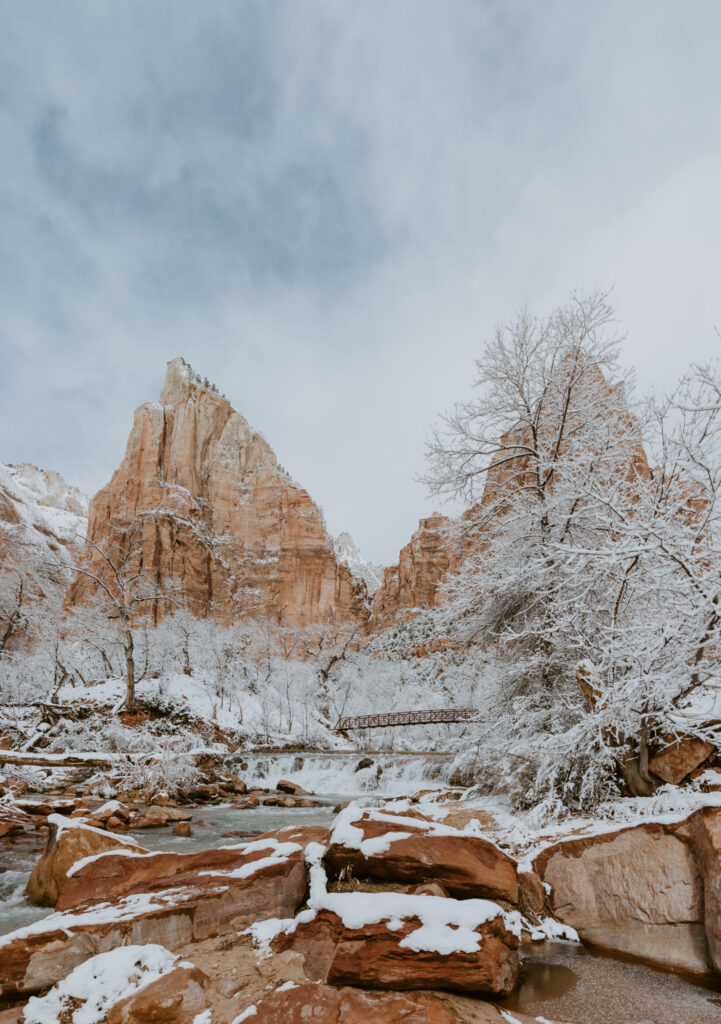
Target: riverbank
[{"x": 562, "y": 981}]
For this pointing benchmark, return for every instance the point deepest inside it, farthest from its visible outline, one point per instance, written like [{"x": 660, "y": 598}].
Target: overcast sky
[{"x": 326, "y": 208}]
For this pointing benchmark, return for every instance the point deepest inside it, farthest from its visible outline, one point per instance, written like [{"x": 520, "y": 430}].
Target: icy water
[
  {"x": 208, "y": 826},
  {"x": 565, "y": 982}
]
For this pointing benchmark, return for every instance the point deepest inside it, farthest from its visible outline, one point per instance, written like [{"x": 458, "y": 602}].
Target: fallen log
[{"x": 39, "y": 760}]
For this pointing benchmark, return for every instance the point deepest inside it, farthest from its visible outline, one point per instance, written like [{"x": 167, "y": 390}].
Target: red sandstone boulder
[
  {"x": 704, "y": 827},
  {"x": 158, "y": 816},
  {"x": 285, "y": 786},
  {"x": 144, "y": 984},
  {"x": 300, "y": 1004},
  {"x": 45, "y": 807},
  {"x": 397, "y": 941},
  {"x": 372, "y": 844},
  {"x": 176, "y": 998},
  {"x": 677, "y": 760},
  {"x": 638, "y": 890},
  {"x": 68, "y": 842},
  {"x": 165, "y": 898}
]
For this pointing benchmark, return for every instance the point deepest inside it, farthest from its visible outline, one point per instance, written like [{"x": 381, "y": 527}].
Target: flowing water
[
  {"x": 562, "y": 982},
  {"x": 390, "y": 774}
]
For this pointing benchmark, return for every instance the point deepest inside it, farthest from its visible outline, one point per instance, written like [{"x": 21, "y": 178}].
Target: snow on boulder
[
  {"x": 323, "y": 1005},
  {"x": 129, "y": 985},
  {"x": 394, "y": 848},
  {"x": 69, "y": 840},
  {"x": 120, "y": 898},
  {"x": 397, "y": 940}
]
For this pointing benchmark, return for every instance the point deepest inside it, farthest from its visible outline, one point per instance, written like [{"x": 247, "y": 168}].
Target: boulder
[
  {"x": 406, "y": 850},
  {"x": 444, "y": 947},
  {"x": 679, "y": 758},
  {"x": 285, "y": 786},
  {"x": 236, "y": 785},
  {"x": 205, "y": 792},
  {"x": 704, "y": 827},
  {"x": 46, "y": 806},
  {"x": 531, "y": 894},
  {"x": 182, "y": 829},
  {"x": 69, "y": 840},
  {"x": 111, "y": 809},
  {"x": 157, "y": 817},
  {"x": 637, "y": 891},
  {"x": 297, "y": 801},
  {"x": 140, "y": 984},
  {"x": 247, "y": 803},
  {"x": 298, "y": 1004},
  {"x": 165, "y": 898},
  {"x": 176, "y": 998}
]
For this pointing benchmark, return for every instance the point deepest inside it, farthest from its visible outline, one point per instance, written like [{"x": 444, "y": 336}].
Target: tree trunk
[{"x": 129, "y": 672}]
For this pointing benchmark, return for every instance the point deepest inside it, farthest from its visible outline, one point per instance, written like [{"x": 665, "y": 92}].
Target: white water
[{"x": 336, "y": 773}]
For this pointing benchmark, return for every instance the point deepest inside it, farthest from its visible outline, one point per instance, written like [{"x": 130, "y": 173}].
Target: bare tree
[
  {"x": 591, "y": 580},
  {"x": 122, "y": 589}
]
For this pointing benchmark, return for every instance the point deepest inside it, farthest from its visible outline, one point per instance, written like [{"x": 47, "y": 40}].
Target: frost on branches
[{"x": 590, "y": 579}]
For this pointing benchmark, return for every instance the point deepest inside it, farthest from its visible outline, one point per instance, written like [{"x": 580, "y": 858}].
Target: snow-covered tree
[
  {"x": 590, "y": 580},
  {"x": 123, "y": 592}
]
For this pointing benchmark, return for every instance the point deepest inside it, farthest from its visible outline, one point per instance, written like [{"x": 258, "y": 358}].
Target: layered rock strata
[
  {"x": 385, "y": 847},
  {"x": 122, "y": 898},
  {"x": 652, "y": 891},
  {"x": 214, "y": 520}
]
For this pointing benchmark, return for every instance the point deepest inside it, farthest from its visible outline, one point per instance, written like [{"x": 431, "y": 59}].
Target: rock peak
[
  {"x": 220, "y": 521},
  {"x": 181, "y": 379}
]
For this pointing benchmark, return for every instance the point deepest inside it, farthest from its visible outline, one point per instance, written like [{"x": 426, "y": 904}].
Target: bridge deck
[{"x": 394, "y": 718}]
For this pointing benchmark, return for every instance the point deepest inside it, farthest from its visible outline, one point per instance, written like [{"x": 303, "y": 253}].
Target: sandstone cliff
[
  {"x": 219, "y": 521},
  {"x": 415, "y": 582},
  {"x": 437, "y": 549}
]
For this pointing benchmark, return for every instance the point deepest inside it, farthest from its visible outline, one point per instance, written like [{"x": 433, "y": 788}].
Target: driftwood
[{"x": 39, "y": 760}]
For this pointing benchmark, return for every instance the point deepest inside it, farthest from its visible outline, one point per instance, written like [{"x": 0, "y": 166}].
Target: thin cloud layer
[{"x": 326, "y": 208}]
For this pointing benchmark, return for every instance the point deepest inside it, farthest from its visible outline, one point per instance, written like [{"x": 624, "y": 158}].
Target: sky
[{"x": 326, "y": 208}]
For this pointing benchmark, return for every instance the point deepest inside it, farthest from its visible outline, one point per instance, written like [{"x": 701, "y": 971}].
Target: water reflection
[{"x": 566, "y": 982}]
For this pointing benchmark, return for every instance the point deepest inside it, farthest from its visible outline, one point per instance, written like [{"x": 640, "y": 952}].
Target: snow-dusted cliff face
[
  {"x": 348, "y": 555},
  {"x": 41, "y": 515},
  {"x": 217, "y": 519}
]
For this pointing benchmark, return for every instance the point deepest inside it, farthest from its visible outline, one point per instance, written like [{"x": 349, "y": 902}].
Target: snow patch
[{"x": 99, "y": 983}]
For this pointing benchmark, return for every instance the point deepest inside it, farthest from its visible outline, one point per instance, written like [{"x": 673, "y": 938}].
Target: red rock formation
[
  {"x": 220, "y": 521},
  {"x": 379, "y": 955},
  {"x": 171, "y": 899},
  {"x": 422, "y": 564},
  {"x": 414, "y": 851},
  {"x": 67, "y": 844},
  {"x": 639, "y": 891},
  {"x": 176, "y": 998},
  {"x": 324, "y": 1005}
]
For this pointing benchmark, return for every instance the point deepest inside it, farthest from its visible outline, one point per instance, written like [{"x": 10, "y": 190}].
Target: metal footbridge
[{"x": 431, "y": 716}]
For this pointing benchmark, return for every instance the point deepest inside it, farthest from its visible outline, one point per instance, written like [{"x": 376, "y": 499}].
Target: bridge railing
[{"x": 429, "y": 716}]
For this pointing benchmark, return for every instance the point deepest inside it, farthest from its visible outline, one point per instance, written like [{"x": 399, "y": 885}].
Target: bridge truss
[{"x": 430, "y": 716}]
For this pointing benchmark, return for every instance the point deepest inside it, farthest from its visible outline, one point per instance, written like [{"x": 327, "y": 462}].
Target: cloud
[{"x": 327, "y": 207}]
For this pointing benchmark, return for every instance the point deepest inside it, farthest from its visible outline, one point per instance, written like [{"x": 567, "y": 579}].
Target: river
[{"x": 562, "y": 982}]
